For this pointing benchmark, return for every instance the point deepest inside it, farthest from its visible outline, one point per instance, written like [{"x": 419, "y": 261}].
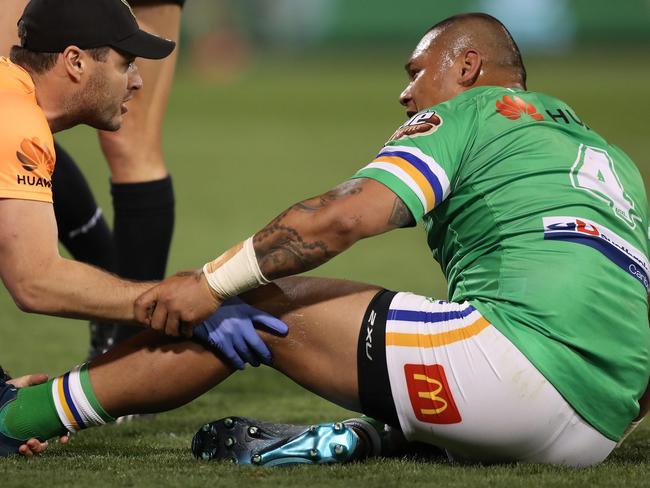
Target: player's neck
[
  {"x": 505, "y": 80},
  {"x": 53, "y": 99}
]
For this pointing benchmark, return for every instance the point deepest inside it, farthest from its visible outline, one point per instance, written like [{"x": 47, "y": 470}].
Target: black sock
[
  {"x": 142, "y": 229},
  {"x": 82, "y": 227}
]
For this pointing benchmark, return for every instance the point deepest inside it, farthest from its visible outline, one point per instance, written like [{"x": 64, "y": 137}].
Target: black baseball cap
[{"x": 53, "y": 25}]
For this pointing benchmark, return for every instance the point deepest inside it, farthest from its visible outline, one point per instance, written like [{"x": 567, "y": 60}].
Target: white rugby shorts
[{"x": 459, "y": 384}]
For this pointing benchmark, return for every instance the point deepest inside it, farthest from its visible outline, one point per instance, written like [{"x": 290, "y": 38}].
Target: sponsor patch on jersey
[
  {"x": 599, "y": 237},
  {"x": 429, "y": 393},
  {"x": 421, "y": 124},
  {"x": 513, "y": 107},
  {"x": 33, "y": 154}
]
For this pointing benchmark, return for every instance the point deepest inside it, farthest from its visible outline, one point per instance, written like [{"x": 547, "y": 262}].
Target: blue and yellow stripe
[
  {"x": 67, "y": 404},
  {"x": 465, "y": 326},
  {"x": 419, "y": 170},
  {"x": 427, "y": 341}
]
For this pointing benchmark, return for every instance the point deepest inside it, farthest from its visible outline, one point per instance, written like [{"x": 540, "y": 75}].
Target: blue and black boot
[{"x": 247, "y": 441}]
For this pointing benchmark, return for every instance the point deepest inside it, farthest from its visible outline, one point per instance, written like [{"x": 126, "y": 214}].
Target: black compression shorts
[{"x": 375, "y": 394}]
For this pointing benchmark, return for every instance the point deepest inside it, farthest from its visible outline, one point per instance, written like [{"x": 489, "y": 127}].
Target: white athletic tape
[{"x": 235, "y": 271}]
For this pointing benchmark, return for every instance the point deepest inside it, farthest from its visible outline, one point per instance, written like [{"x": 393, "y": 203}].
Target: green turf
[{"x": 241, "y": 153}]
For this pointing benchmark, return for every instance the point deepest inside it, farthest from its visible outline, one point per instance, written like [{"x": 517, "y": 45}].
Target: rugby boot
[
  {"x": 247, "y": 441},
  {"x": 8, "y": 445},
  {"x": 101, "y": 338},
  {"x": 106, "y": 335}
]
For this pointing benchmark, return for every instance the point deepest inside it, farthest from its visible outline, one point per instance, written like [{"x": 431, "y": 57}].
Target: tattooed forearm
[
  {"x": 313, "y": 231},
  {"x": 400, "y": 216},
  {"x": 281, "y": 250},
  {"x": 304, "y": 236},
  {"x": 286, "y": 252},
  {"x": 350, "y": 187}
]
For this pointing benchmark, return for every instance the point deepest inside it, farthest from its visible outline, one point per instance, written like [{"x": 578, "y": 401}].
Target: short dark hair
[
  {"x": 509, "y": 54},
  {"x": 37, "y": 62}
]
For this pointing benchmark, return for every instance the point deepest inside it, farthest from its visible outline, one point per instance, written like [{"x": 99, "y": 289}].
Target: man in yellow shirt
[
  {"x": 75, "y": 65},
  {"x": 138, "y": 244}
]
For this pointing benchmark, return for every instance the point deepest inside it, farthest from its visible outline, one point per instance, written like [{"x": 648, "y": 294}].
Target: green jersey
[{"x": 542, "y": 226}]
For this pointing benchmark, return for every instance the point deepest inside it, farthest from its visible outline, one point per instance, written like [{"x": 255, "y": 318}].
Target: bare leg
[
  {"x": 151, "y": 373},
  {"x": 134, "y": 153},
  {"x": 324, "y": 318}
]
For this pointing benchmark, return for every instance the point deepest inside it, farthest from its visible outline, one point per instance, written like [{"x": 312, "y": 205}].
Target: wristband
[{"x": 235, "y": 271}]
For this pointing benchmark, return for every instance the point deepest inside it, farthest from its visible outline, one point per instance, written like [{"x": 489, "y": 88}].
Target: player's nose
[
  {"x": 135, "y": 80},
  {"x": 405, "y": 97}
]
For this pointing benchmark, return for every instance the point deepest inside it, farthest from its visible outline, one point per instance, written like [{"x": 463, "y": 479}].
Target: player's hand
[
  {"x": 177, "y": 303},
  {"x": 230, "y": 331},
  {"x": 33, "y": 446}
]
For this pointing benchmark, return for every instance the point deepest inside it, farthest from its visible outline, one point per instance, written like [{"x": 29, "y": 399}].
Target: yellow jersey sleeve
[{"x": 26, "y": 149}]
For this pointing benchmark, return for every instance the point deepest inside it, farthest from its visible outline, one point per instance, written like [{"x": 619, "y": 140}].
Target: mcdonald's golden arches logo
[{"x": 429, "y": 393}]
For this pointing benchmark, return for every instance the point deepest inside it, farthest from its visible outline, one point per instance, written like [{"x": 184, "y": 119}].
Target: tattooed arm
[
  {"x": 301, "y": 238},
  {"x": 312, "y": 232}
]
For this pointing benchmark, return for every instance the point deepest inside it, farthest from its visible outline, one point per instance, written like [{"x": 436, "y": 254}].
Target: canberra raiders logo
[{"x": 420, "y": 124}]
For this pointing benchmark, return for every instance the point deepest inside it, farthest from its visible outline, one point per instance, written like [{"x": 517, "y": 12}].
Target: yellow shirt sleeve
[{"x": 26, "y": 150}]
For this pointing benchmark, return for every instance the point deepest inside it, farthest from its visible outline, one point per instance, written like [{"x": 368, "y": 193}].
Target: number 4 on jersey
[{"x": 594, "y": 172}]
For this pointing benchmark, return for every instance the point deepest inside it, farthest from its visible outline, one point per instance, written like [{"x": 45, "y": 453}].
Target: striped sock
[
  {"x": 66, "y": 403},
  {"x": 75, "y": 402}
]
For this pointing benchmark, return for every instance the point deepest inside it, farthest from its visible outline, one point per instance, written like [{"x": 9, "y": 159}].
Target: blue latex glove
[{"x": 230, "y": 331}]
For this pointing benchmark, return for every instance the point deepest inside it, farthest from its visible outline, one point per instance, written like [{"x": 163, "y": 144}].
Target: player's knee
[
  {"x": 132, "y": 159},
  {"x": 274, "y": 342},
  {"x": 127, "y": 146}
]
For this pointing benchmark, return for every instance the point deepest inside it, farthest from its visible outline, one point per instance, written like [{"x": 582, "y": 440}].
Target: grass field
[{"x": 240, "y": 153}]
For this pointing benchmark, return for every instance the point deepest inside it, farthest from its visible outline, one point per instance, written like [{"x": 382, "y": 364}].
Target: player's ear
[
  {"x": 470, "y": 67},
  {"x": 74, "y": 62}
]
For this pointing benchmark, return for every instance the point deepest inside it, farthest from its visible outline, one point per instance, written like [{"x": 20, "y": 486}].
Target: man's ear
[
  {"x": 74, "y": 62},
  {"x": 470, "y": 69}
]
